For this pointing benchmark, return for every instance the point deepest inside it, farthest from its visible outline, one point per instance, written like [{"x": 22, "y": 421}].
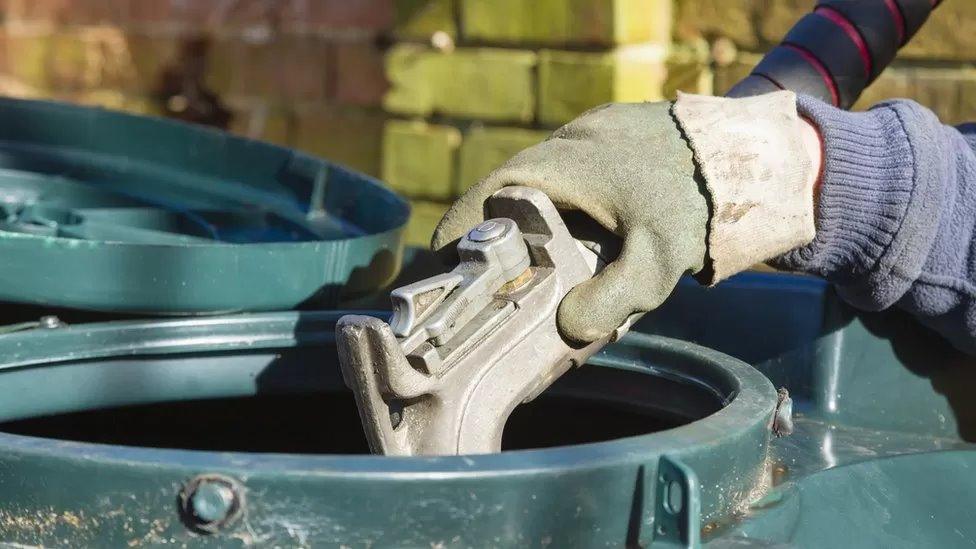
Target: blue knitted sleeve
[{"x": 896, "y": 216}]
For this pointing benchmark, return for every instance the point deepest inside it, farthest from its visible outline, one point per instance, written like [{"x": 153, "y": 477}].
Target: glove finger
[
  {"x": 553, "y": 166},
  {"x": 466, "y": 212},
  {"x": 469, "y": 210},
  {"x": 637, "y": 281}
]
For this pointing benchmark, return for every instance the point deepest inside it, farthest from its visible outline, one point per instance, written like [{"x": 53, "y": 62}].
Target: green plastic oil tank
[
  {"x": 236, "y": 430},
  {"x": 108, "y": 211}
]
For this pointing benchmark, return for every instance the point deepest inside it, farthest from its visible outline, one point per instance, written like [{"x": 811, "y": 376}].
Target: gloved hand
[
  {"x": 628, "y": 167},
  {"x": 706, "y": 181}
]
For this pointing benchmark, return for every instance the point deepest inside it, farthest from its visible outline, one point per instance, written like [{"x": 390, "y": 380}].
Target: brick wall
[
  {"x": 475, "y": 81},
  {"x": 304, "y": 73},
  {"x": 428, "y": 94}
]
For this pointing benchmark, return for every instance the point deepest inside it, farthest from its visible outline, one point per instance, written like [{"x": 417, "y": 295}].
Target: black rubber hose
[{"x": 834, "y": 52}]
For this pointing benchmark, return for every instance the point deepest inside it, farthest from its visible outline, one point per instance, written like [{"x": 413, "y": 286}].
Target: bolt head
[
  {"x": 211, "y": 501},
  {"x": 486, "y": 230}
]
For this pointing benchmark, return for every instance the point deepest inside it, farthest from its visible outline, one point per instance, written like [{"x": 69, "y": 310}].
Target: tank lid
[{"x": 109, "y": 211}]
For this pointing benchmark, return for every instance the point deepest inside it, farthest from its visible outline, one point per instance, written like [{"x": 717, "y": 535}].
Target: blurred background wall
[{"x": 428, "y": 94}]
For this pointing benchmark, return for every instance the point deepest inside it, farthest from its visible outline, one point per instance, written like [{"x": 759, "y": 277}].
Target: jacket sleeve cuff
[{"x": 870, "y": 185}]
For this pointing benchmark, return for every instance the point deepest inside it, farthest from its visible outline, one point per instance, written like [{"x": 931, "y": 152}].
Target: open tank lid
[{"x": 109, "y": 211}]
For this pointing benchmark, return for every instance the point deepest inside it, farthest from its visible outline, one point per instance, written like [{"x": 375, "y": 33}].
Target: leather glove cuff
[{"x": 757, "y": 175}]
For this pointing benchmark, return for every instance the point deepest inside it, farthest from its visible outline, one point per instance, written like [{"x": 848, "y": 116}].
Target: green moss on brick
[
  {"x": 419, "y": 158},
  {"x": 424, "y": 217},
  {"x": 410, "y": 70},
  {"x": 487, "y": 84},
  {"x": 484, "y": 149},
  {"x": 481, "y": 83},
  {"x": 642, "y": 21},
  {"x": 572, "y": 82},
  {"x": 29, "y": 64},
  {"x": 558, "y": 22},
  {"x": 419, "y": 19}
]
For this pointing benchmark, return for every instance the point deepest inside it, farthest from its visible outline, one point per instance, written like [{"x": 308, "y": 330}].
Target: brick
[
  {"x": 258, "y": 16},
  {"x": 347, "y": 16},
  {"x": 149, "y": 56},
  {"x": 101, "y": 57},
  {"x": 484, "y": 149},
  {"x": 950, "y": 93},
  {"x": 66, "y": 63},
  {"x": 114, "y": 100},
  {"x": 223, "y": 60},
  {"x": 424, "y": 217},
  {"x": 420, "y": 19},
  {"x": 779, "y": 16},
  {"x": 937, "y": 90},
  {"x": 409, "y": 70},
  {"x": 481, "y": 83},
  {"x": 106, "y": 58},
  {"x": 288, "y": 67},
  {"x": 201, "y": 15},
  {"x": 266, "y": 122},
  {"x": 222, "y": 16},
  {"x": 947, "y": 35},
  {"x": 729, "y": 74},
  {"x": 26, "y": 59},
  {"x": 357, "y": 74},
  {"x": 419, "y": 159},
  {"x": 11, "y": 87},
  {"x": 351, "y": 137},
  {"x": 35, "y": 11},
  {"x": 65, "y": 12},
  {"x": 146, "y": 14},
  {"x": 643, "y": 21},
  {"x": 291, "y": 67},
  {"x": 4, "y": 51},
  {"x": 891, "y": 83},
  {"x": 489, "y": 84},
  {"x": 713, "y": 18},
  {"x": 688, "y": 70},
  {"x": 967, "y": 100},
  {"x": 559, "y": 22},
  {"x": 572, "y": 82}
]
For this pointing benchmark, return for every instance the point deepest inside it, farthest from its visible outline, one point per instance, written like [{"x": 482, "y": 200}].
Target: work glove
[{"x": 633, "y": 169}]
